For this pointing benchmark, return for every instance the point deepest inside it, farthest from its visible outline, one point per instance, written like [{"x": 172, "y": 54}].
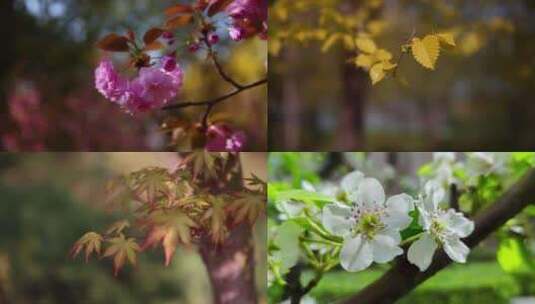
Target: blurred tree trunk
[
  {"x": 291, "y": 106},
  {"x": 355, "y": 83},
  {"x": 231, "y": 265},
  {"x": 7, "y": 53}
]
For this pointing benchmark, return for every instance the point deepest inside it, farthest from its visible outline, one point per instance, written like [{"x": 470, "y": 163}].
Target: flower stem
[{"x": 411, "y": 239}]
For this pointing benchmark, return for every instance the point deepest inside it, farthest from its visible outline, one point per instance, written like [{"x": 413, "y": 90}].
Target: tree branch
[{"x": 404, "y": 277}]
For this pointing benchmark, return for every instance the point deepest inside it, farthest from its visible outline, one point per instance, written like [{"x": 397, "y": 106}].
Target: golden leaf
[
  {"x": 447, "y": 38},
  {"x": 426, "y": 51},
  {"x": 377, "y": 73},
  {"x": 366, "y": 45}
]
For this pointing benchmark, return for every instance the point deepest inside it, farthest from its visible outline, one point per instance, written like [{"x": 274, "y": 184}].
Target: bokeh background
[
  {"x": 480, "y": 96},
  {"x": 41, "y": 218},
  {"x": 47, "y": 96},
  {"x": 481, "y": 280}
]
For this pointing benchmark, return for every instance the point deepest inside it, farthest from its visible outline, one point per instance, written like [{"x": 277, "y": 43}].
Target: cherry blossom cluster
[
  {"x": 151, "y": 89},
  {"x": 159, "y": 79}
]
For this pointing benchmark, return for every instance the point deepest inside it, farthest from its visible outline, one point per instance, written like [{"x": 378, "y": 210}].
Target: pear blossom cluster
[
  {"x": 371, "y": 225},
  {"x": 153, "y": 87}
]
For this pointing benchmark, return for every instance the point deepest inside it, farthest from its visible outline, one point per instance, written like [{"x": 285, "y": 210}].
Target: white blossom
[
  {"x": 370, "y": 226},
  {"x": 442, "y": 228},
  {"x": 484, "y": 163}
]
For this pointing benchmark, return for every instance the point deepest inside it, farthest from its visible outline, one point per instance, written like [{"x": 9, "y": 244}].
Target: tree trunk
[
  {"x": 404, "y": 277},
  {"x": 231, "y": 267}
]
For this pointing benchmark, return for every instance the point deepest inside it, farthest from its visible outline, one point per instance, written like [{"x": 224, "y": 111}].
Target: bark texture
[
  {"x": 404, "y": 277},
  {"x": 231, "y": 267}
]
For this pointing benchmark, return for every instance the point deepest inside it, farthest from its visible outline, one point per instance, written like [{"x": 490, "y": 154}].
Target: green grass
[{"x": 481, "y": 282}]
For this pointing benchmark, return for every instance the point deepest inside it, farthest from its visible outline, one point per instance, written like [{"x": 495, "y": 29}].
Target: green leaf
[
  {"x": 122, "y": 250},
  {"x": 513, "y": 256},
  {"x": 286, "y": 240},
  {"x": 308, "y": 197}
]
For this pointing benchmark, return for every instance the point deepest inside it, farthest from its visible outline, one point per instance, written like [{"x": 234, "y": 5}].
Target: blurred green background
[
  {"x": 48, "y": 200},
  {"x": 481, "y": 280}
]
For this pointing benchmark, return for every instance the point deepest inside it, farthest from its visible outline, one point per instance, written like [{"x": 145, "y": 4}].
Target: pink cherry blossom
[
  {"x": 108, "y": 82},
  {"x": 223, "y": 138},
  {"x": 249, "y": 17},
  {"x": 151, "y": 89}
]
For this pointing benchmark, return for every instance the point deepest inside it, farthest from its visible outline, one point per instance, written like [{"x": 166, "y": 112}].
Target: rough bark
[
  {"x": 231, "y": 267},
  {"x": 404, "y": 277}
]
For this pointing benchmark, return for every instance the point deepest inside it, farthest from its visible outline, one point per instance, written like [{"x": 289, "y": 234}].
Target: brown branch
[
  {"x": 404, "y": 277},
  {"x": 210, "y": 103}
]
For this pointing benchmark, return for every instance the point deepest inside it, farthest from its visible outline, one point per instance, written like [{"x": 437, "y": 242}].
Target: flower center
[{"x": 367, "y": 222}]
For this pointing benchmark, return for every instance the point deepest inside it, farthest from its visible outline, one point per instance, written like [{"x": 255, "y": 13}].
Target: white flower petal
[
  {"x": 370, "y": 193},
  {"x": 456, "y": 249},
  {"x": 421, "y": 252},
  {"x": 397, "y": 211},
  {"x": 391, "y": 233},
  {"x": 434, "y": 195},
  {"x": 335, "y": 218},
  {"x": 356, "y": 254},
  {"x": 458, "y": 224},
  {"x": 385, "y": 248},
  {"x": 424, "y": 218},
  {"x": 444, "y": 157},
  {"x": 350, "y": 182}
]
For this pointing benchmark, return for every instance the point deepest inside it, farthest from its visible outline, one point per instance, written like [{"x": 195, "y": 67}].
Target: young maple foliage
[{"x": 202, "y": 200}]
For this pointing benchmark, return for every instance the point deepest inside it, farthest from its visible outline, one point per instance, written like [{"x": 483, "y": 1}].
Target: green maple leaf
[
  {"x": 216, "y": 216},
  {"x": 118, "y": 227},
  {"x": 151, "y": 182},
  {"x": 203, "y": 163},
  {"x": 168, "y": 227},
  {"x": 91, "y": 241},
  {"x": 248, "y": 206},
  {"x": 122, "y": 250}
]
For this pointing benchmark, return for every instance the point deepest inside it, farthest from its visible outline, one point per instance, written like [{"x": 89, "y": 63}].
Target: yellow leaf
[
  {"x": 387, "y": 65},
  {"x": 327, "y": 45},
  {"x": 377, "y": 73},
  {"x": 447, "y": 38},
  {"x": 364, "y": 61},
  {"x": 349, "y": 42},
  {"x": 366, "y": 45},
  {"x": 426, "y": 51},
  {"x": 383, "y": 55}
]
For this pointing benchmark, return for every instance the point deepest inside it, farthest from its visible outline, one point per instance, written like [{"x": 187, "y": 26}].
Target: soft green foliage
[{"x": 478, "y": 282}]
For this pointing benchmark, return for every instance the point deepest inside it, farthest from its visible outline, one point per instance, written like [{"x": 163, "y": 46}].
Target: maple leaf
[
  {"x": 216, "y": 216},
  {"x": 91, "y": 241},
  {"x": 203, "y": 162},
  {"x": 169, "y": 227},
  {"x": 247, "y": 207},
  {"x": 118, "y": 227},
  {"x": 122, "y": 250},
  {"x": 151, "y": 182}
]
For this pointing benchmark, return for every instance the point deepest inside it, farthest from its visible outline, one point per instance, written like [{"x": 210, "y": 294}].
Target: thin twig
[{"x": 214, "y": 101}]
